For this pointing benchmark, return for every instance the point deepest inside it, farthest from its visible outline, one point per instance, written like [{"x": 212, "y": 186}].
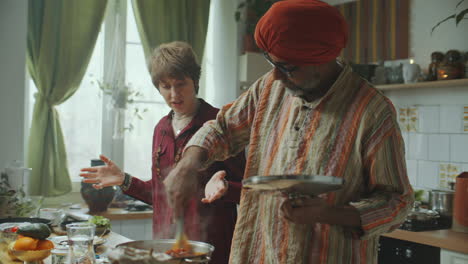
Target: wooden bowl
[{"x": 29, "y": 255}]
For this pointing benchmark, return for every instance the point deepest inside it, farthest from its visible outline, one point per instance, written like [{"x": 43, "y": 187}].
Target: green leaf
[
  {"x": 460, "y": 16},
  {"x": 459, "y": 3},
  {"x": 445, "y": 19}
]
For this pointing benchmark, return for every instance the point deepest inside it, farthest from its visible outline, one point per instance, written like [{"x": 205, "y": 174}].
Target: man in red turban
[
  {"x": 315, "y": 35},
  {"x": 310, "y": 115}
]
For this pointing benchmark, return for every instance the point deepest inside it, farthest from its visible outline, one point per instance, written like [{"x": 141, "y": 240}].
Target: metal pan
[
  {"x": 203, "y": 250},
  {"x": 311, "y": 185}
]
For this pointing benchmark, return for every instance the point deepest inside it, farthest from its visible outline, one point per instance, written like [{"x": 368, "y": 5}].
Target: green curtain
[
  {"x": 170, "y": 20},
  {"x": 60, "y": 41}
]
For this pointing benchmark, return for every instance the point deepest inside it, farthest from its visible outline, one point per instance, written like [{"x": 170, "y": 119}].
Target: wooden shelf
[{"x": 433, "y": 84}]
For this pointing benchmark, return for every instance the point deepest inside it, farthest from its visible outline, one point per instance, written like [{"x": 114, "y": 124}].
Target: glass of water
[{"x": 80, "y": 240}]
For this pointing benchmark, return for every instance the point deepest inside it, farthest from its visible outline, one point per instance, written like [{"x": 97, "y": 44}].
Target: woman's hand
[
  {"x": 215, "y": 188},
  {"x": 103, "y": 176}
]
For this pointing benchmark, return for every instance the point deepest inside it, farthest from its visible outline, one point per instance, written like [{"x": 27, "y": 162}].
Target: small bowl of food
[{"x": 103, "y": 224}]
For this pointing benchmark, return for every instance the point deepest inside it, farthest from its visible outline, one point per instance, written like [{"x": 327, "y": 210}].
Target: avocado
[{"x": 36, "y": 230}]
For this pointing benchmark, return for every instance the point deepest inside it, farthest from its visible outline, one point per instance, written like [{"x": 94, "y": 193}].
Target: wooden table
[{"x": 112, "y": 238}]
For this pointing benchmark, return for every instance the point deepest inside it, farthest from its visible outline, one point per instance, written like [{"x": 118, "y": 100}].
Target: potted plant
[
  {"x": 250, "y": 12},
  {"x": 458, "y": 16}
]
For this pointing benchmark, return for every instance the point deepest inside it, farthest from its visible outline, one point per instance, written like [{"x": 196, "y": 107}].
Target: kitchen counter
[
  {"x": 121, "y": 214},
  {"x": 446, "y": 239},
  {"x": 117, "y": 213}
]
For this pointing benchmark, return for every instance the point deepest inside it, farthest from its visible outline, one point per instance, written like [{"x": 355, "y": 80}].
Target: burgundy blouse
[{"x": 212, "y": 223}]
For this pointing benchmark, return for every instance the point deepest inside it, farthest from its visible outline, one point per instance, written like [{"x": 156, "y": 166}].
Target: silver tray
[{"x": 296, "y": 184}]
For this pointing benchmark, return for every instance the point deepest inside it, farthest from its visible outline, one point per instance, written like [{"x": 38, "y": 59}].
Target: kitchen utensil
[
  {"x": 460, "y": 212},
  {"x": 299, "y": 184},
  {"x": 202, "y": 251},
  {"x": 442, "y": 202}
]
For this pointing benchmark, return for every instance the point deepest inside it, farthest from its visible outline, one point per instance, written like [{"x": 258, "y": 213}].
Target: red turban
[{"x": 302, "y": 32}]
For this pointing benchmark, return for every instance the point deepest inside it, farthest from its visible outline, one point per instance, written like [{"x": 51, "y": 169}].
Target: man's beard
[{"x": 309, "y": 89}]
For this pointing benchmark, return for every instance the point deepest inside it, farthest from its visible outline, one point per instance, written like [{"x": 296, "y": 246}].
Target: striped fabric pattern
[
  {"x": 350, "y": 133},
  {"x": 379, "y": 30}
]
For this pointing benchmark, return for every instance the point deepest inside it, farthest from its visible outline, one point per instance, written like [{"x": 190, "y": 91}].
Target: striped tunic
[{"x": 351, "y": 133}]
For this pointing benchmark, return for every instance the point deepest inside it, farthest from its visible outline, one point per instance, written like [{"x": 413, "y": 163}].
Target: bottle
[{"x": 436, "y": 59}]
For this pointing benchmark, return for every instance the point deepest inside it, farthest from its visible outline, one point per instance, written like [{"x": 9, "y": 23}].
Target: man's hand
[
  {"x": 215, "y": 188},
  {"x": 182, "y": 181},
  {"x": 304, "y": 210},
  {"x": 316, "y": 210}
]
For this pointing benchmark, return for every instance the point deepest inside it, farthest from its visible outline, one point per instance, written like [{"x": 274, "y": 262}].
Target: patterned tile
[
  {"x": 403, "y": 118},
  {"x": 408, "y": 119},
  {"x": 465, "y": 118},
  {"x": 412, "y": 119},
  {"x": 447, "y": 173}
]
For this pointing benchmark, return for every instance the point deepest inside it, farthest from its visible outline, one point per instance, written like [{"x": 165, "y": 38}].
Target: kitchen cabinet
[
  {"x": 136, "y": 229},
  {"x": 452, "y": 257},
  {"x": 133, "y": 225}
]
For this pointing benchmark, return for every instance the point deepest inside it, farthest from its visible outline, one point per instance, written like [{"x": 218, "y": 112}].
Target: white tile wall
[
  {"x": 412, "y": 170},
  {"x": 418, "y": 146},
  {"x": 451, "y": 119},
  {"x": 439, "y": 147},
  {"x": 428, "y": 119},
  {"x": 437, "y": 139},
  {"x": 459, "y": 148},
  {"x": 405, "y": 136},
  {"x": 428, "y": 174}
]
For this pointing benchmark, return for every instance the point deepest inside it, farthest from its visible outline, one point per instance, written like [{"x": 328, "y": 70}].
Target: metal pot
[
  {"x": 152, "y": 248},
  {"x": 442, "y": 202},
  {"x": 421, "y": 214}
]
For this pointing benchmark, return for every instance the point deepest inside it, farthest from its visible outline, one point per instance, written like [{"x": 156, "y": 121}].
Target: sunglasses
[{"x": 280, "y": 66}]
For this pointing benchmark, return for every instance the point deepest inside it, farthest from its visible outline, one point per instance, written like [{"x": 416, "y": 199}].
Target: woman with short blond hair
[{"x": 175, "y": 73}]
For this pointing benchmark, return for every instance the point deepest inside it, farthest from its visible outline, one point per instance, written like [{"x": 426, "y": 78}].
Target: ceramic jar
[
  {"x": 411, "y": 72},
  {"x": 97, "y": 200}
]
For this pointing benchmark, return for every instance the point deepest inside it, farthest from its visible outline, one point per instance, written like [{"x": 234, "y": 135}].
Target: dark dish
[{"x": 25, "y": 220}]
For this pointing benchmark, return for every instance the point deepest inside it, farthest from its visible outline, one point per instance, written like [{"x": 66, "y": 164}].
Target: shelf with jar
[
  {"x": 429, "y": 84},
  {"x": 445, "y": 70}
]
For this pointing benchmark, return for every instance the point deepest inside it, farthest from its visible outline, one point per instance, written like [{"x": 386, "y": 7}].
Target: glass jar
[
  {"x": 452, "y": 66},
  {"x": 436, "y": 58},
  {"x": 466, "y": 64}
]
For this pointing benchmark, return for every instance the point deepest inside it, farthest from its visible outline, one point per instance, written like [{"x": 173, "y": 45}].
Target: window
[
  {"x": 138, "y": 142},
  {"x": 85, "y": 117}
]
